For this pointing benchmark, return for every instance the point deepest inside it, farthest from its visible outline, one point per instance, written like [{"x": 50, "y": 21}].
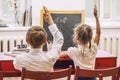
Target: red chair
[
  {"x": 9, "y": 74},
  {"x": 98, "y": 73},
  {"x": 42, "y": 75}
]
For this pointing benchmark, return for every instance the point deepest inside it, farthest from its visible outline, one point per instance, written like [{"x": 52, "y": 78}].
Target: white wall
[
  {"x": 55, "y": 5},
  {"x": 0, "y": 9}
]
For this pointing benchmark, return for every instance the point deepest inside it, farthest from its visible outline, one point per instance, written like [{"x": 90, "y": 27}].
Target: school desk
[
  {"x": 6, "y": 66},
  {"x": 103, "y": 60}
]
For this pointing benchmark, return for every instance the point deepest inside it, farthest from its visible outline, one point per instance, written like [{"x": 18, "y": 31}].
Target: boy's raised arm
[
  {"x": 58, "y": 39},
  {"x": 47, "y": 16},
  {"x": 98, "y": 30}
]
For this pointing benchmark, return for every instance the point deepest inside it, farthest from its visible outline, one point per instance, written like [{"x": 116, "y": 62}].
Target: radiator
[
  {"x": 7, "y": 44},
  {"x": 109, "y": 43}
]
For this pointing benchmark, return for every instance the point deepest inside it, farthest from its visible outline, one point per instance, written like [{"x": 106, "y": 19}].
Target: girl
[{"x": 85, "y": 53}]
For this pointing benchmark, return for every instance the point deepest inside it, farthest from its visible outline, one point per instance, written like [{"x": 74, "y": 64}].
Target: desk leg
[
  {"x": 0, "y": 66},
  {"x": 1, "y": 76}
]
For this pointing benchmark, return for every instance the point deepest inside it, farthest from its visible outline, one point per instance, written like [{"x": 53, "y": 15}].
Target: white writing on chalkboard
[{"x": 61, "y": 20}]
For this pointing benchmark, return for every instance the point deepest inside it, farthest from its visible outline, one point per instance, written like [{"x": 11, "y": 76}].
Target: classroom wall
[
  {"x": 55, "y": 5},
  {"x": 0, "y": 10}
]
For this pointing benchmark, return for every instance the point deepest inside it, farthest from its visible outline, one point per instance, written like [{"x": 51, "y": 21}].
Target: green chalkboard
[{"x": 65, "y": 21}]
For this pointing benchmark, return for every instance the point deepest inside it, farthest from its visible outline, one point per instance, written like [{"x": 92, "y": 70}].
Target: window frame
[{"x": 112, "y": 16}]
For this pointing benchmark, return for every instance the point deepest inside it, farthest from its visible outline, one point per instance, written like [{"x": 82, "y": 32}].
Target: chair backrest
[
  {"x": 98, "y": 73},
  {"x": 9, "y": 74},
  {"x": 44, "y": 75}
]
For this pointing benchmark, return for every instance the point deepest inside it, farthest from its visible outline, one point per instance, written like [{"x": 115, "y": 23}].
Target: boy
[{"x": 36, "y": 59}]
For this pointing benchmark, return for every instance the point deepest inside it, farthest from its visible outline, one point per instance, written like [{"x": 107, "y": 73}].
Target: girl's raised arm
[{"x": 98, "y": 29}]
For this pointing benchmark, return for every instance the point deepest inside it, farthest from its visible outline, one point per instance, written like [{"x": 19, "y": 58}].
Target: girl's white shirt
[
  {"x": 82, "y": 56},
  {"x": 36, "y": 59}
]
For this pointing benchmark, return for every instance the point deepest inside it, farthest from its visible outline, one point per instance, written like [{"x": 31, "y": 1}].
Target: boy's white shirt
[
  {"x": 86, "y": 60},
  {"x": 36, "y": 59}
]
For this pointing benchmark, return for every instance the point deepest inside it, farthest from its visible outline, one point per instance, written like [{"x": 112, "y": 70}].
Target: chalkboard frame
[
  {"x": 59, "y": 12},
  {"x": 81, "y": 12}
]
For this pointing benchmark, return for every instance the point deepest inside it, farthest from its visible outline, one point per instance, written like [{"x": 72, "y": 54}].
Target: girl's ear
[{"x": 77, "y": 38}]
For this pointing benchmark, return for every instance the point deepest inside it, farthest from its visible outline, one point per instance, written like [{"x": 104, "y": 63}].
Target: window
[
  {"x": 12, "y": 11},
  {"x": 89, "y": 7},
  {"x": 107, "y": 9},
  {"x": 116, "y": 9}
]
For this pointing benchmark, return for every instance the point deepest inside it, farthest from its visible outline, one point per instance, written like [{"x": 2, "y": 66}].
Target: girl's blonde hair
[
  {"x": 36, "y": 36},
  {"x": 83, "y": 32}
]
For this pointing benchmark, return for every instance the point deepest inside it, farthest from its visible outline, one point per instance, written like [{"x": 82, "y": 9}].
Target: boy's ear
[
  {"x": 27, "y": 41},
  {"x": 44, "y": 42}
]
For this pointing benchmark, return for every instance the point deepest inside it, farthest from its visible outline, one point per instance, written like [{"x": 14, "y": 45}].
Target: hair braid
[{"x": 83, "y": 33}]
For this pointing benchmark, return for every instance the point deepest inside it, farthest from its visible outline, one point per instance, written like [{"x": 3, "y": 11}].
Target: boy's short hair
[{"x": 36, "y": 36}]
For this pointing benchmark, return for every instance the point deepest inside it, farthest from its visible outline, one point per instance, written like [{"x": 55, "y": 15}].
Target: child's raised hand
[
  {"x": 95, "y": 11},
  {"x": 47, "y": 17},
  {"x": 98, "y": 29}
]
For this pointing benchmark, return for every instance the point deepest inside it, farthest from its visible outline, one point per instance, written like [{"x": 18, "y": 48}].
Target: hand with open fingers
[
  {"x": 95, "y": 11},
  {"x": 47, "y": 16}
]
